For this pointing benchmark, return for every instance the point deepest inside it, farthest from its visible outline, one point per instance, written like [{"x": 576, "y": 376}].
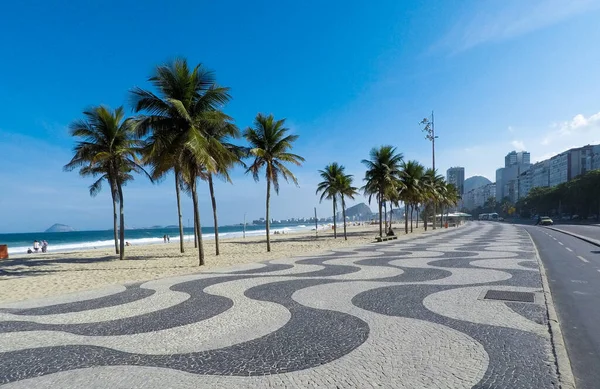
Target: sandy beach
[{"x": 39, "y": 275}]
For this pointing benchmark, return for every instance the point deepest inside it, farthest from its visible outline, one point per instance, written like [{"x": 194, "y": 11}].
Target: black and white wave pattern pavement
[{"x": 394, "y": 315}]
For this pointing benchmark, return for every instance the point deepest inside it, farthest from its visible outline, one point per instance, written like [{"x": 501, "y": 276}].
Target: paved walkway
[{"x": 395, "y": 315}]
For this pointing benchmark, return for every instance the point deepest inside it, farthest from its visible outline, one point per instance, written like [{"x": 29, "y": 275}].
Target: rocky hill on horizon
[
  {"x": 475, "y": 182},
  {"x": 60, "y": 228}
]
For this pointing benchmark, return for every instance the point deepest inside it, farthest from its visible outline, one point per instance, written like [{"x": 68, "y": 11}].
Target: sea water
[{"x": 84, "y": 240}]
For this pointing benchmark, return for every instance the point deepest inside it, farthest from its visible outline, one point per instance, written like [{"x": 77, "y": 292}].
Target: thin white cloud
[
  {"x": 503, "y": 20},
  {"x": 578, "y": 129},
  {"x": 518, "y": 145},
  {"x": 511, "y": 129}
]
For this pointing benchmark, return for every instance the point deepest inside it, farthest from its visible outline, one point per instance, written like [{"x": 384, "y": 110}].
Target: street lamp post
[{"x": 429, "y": 130}]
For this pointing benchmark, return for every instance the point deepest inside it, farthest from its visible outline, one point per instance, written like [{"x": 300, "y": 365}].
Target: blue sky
[{"x": 347, "y": 75}]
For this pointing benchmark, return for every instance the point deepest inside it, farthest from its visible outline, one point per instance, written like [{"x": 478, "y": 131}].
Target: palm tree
[
  {"x": 345, "y": 189},
  {"x": 329, "y": 189},
  {"x": 411, "y": 176},
  {"x": 186, "y": 97},
  {"x": 433, "y": 191},
  {"x": 270, "y": 145},
  {"x": 107, "y": 148},
  {"x": 382, "y": 175},
  {"x": 219, "y": 129}
]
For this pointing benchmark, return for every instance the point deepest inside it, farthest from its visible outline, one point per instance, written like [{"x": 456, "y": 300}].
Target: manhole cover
[{"x": 506, "y": 295}]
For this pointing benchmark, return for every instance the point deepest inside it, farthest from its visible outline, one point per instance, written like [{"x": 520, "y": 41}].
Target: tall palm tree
[
  {"x": 107, "y": 148},
  {"x": 433, "y": 191},
  {"x": 345, "y": 190},
  {"x": 382, "y": 175},
  {"x": 219, "y": 130},
  {"x": 329, "y": 187},
  {"x": 411, "y": 176},
  {"x": 171, "y": 119},
  {"x": 269, "y": 145}
]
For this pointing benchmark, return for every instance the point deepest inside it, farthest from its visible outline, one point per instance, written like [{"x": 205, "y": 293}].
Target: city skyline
[{"x": 518, "y": 176}]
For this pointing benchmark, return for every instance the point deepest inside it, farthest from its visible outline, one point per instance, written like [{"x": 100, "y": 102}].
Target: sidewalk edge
[
  {"x": 563, "y": 364},
  {"x": 584, "y": 238}
]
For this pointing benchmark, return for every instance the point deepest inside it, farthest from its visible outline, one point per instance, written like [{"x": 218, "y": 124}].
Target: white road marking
[
  {"x": 554, "y": 238},
  {"x": 579, "y": 281},
  {"x": 583, "y": 259},
  {"x": 561, "y": 243},
  {"x": 569, "y": 249}
]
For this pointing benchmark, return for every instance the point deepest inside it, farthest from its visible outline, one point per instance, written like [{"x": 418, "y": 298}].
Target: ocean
[{"x": 84, "y": 240}]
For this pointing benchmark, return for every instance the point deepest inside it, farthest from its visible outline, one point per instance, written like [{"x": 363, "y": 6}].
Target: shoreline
[{"x": 34, "y": 276}]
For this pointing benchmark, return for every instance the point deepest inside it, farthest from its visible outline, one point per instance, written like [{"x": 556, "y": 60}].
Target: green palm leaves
[
  {"x": 107, "y": 149},
  {"x": 187, "y": 132},
  {"x": 336, "y": 184},
  {"x": 270, "y": 143},
  {"x": 382, "y": 178}
]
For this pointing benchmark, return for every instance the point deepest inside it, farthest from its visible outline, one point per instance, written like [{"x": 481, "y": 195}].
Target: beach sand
[{"x": 39, "y": 275}]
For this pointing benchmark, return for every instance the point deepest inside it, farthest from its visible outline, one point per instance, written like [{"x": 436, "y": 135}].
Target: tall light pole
[{"x": 429, "y": 130}]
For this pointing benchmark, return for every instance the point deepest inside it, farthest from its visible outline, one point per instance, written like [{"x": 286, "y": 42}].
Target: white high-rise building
[{"x": 559, "y": 169}]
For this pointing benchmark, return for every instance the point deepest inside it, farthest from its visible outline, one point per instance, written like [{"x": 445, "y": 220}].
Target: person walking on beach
[
  {"x": 165, "y": 238},
  {"x": 168, "y": 239},
  {"x": 44, "y": 246},
  {"x": 36, "y": 245}
]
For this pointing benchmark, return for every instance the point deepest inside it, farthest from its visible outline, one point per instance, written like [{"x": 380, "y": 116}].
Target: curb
[
  {"x": 584, "y": 238},
  {"x": 563, "y": 364}
]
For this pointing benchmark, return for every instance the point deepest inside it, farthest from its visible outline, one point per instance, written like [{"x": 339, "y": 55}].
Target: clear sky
[{"x": 347, "y": 75}]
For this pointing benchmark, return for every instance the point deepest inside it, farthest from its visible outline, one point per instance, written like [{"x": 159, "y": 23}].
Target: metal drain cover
[{"x": 507, "y": 295}]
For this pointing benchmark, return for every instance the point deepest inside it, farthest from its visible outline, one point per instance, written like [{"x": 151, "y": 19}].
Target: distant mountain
[
  {"x": 475, "y": 182},
  {"x": 172, "y": 226},
  {"x": 60, "y": 228},
  {"x": 360, "y": 211}
]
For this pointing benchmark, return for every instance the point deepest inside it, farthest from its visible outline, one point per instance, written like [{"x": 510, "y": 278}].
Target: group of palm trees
[
  {"x": 390, "y": 179},
  {"x": 179, "y": 128}
]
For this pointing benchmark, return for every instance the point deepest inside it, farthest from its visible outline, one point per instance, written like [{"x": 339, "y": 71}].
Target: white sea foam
[{"x": 80, "y": 246}]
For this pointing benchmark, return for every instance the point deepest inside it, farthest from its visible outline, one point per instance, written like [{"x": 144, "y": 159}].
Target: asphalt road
[
  {"x": 573, "y": 270},
  {"x": 587, "y": 231}
]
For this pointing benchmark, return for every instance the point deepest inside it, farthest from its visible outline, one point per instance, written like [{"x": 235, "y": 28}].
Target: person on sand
[
  {"x": 165, "y": 238},
  {"x": 44, "y": 246},
  {"x": 168, "y": 239},
  {"x": 390, "y": 232},
  {"x": 36, "y": 245}
]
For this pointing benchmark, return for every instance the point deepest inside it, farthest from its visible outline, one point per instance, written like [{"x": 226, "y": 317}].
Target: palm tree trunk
[
  {"x": 385, "y": 214},
  {"x": 434, "y": 210},
  {"x": 334, "y": 220},
  {"x": 391, "y": 213},
  {"x": 412, "y": 208},
  {"x": 195, "y": 233},
  {"x": 441, "y": 216},
  {"x": 214, "y": 207},
  {"x": 405, "y": 218},
  {"x": 380, "y": 216},
  {"x": 179, "y": 211},
  {"x": 115, "y": 218},
  {"x": 417, "y": 215},
  {"x": 267, "y": 212},
  {"x": 344, "y": 217},
  {"x": 197, "y": 222},
  {"x": 122, "y": 224}
]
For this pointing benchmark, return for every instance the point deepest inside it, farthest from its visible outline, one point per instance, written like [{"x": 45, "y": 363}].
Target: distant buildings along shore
[{"x": 518, "y": 176}]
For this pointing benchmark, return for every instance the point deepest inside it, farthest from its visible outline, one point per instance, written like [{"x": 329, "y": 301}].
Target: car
[{"x": 546, "y": 221}]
